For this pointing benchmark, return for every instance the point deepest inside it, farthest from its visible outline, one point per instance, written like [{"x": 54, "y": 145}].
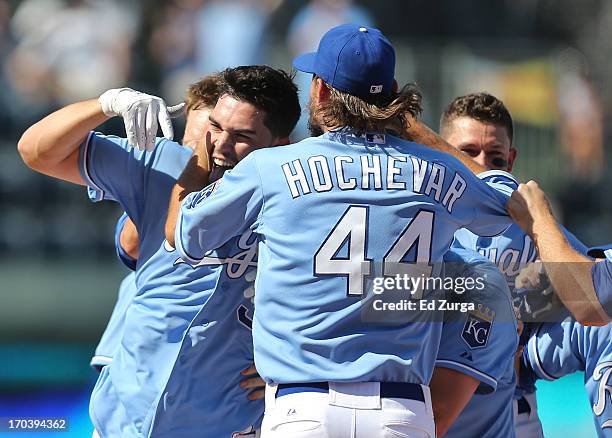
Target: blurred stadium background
[{"x": 549, "y": 60}]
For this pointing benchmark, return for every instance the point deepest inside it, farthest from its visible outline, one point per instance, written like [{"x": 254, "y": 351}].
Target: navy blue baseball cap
[
  {"x": 355, "y": 59},
  {"x": 598, "y": 251}
]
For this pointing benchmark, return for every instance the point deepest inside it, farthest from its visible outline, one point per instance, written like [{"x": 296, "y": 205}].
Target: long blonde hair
[{"x": 343, "y": 109}]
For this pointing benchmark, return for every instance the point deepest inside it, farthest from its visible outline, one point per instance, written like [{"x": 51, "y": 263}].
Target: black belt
[
  {"x": 410, "y": 391},
  {"x": 523, "y": 406}
]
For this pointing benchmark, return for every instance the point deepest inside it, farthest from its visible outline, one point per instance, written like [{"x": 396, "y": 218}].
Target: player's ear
[
  {"x": 394, "y": 87},
  {"x": 511, "y": 157},
  {"x": 322, "y": 92}
]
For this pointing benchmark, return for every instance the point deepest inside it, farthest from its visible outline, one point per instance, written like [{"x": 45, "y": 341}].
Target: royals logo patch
[{"x": 478, "y": 327}]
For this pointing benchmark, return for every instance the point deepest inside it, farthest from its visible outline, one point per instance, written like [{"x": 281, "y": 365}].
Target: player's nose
[
  {"x": 481, "y": 159},
  {"x": 222, "y": 142}
]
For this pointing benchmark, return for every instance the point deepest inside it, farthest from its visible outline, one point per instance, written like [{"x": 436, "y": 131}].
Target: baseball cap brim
[
  {"x": 598, "y": 251},
  {"x": 305, "y": 62}
]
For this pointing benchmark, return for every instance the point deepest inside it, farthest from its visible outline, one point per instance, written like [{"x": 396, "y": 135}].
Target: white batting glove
[{"x": 140, "y": 113}]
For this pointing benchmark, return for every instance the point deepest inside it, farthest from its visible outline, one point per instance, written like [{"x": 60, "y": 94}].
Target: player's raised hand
[
  {"x": 528, "y": 204},
  {"x": 141, "y": 113}
]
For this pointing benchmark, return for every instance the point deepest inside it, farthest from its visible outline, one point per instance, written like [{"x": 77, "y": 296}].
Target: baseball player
[
  {"x": 200, "y": 98},
  {"x": 480, "y": 127},
  {"x": 65, "y": 142},
  {"x": 165, "y": 354},
  {"x": 488, "y": 415},
  {"x": 557, "y": 349},
  {"x": 114, "y": 329},
  {"x": 481, "y": 344},
  {"x": 324, "y": 210},
  {"x": 554, "y": 350},
  {"x": 493, "y": 157}
]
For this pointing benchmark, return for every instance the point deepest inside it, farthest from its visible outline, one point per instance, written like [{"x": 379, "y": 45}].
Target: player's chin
[{"x": 217, "y": 172}]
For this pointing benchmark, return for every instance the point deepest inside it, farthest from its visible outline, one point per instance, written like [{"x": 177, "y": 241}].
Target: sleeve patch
[{"x": 477, "y": 327}]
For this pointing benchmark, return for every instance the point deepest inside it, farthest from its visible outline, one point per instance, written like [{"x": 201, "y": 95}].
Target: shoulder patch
[{"x": 478, "y": 327}]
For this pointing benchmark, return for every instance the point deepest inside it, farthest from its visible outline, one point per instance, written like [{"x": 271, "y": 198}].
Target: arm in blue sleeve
[
  {"x": 114, "y": 170},
  {"x": 552, "y": 351},
  {"x": 481, "y": 343},
  {"x": 491, "y": 191},
  {"x": 224, "y": 209},
  {"x": 574, "y": 242},
  {"x": 602, "y": 283}
]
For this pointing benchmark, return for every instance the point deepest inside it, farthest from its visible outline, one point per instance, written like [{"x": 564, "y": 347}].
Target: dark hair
[
  {"x": 480, "y": 106},
  {"x": 268, "y": 89},
  {"x": 203, "y": 94},
  {"x": 344, "y": 109}
]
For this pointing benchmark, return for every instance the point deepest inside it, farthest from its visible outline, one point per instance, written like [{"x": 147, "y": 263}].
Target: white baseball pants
[{"x": 348, "y": 410}]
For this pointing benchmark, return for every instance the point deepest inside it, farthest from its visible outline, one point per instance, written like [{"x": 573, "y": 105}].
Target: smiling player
[
  {"x": 168, "y": 352},
  {"x": 310, "y": 344}
]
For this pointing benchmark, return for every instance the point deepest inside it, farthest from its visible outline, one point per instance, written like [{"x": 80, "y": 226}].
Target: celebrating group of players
[{"x": 251, "y": 287}]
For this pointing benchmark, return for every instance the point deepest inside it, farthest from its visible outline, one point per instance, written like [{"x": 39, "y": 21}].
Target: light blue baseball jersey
[
  {"x": 602, "y": 281},
  {"x": 141, "y": 183},
  {"x": 479, "y": 342},
  {"x": 489, "y": 415},
  {"x": 177, "y": 372},
  {"x": 482, "y": 344},
  {"x": 555, "y": 350},
  {"x": 511, "y": 251},
  {"x": 204, "y": 313},
  {"x": 330, "y": 212},
  {"x": 125, "y": 258},
  {"x": 109, "y": 342},
  {"x": 127, "y": 289}
]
